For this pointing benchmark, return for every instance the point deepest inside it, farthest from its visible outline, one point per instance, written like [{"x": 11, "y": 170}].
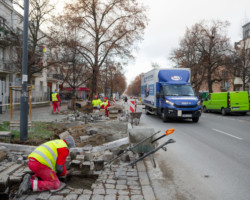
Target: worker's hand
[{"x": 59, "y": 168}]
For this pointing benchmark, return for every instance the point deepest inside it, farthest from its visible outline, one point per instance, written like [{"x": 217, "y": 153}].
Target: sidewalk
[{"x": 43, "y": 114}]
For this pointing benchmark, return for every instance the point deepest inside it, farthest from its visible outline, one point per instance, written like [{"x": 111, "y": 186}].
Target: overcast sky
[{"x": 168, "y": 23}]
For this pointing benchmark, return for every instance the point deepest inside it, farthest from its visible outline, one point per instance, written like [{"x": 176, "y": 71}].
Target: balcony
[
  {"x": 4, "y": 40},
  {"x": 6, "y": 67},
  {"x": 54, "y": 77}
]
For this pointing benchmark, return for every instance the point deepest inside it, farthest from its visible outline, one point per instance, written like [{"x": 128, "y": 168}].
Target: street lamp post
[{"x": 24, "y": 95}]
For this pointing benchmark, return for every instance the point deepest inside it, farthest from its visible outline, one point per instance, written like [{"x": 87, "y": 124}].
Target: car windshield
[{"x": 178, "y": 90}]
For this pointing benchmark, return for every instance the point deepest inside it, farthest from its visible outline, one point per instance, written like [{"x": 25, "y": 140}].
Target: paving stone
[
  {"x": 99, "y": 191},
  {"x": 97, "y": 186},
  {"x": 132, "y": 178},
  {"x": 121, "y": 187},
  {"x": 84, "y": 197},
  {"x": 44, "y": 196},
  {"x": 141, "y": 167},
  {"x": 109, "y": 186},
  {"x": 71, "y": 197},
  {"x": 56, "y": 197},
  {"x": 111, "y": 191},
  {"x": 132, "y": 174},
  {"x": 23, "y": 197},
  {"x": 87, "y": 192},
  {"x": 32, "y": 197},
  {"x": 135, "y": 191},
  {"x": 63, "y": 192},
  {"x": 134, "y": 187},
  {"x": 97, "y": 197},
  {"x": 123, "y": 192},
  {"x": 80, "y": 157},
  {"x": 108, "y": 156},
  {"x": 148, "y": 193},
  {"x": 64, "y": 134},
  {"x": 121, "y": 182},
  {"x": 88, "y": 156},
  {"x": 77, "y": 191},
  {"x": 143, "y": 177},
  {"x": 84, "y": 137},
  {"x": 133, "y": 183},
  {"x": 137, "y": 197},
  {"x": 111, "y": 181},
  {"x": 123, "y": 198},
  {"x": 110, "y": 197}
]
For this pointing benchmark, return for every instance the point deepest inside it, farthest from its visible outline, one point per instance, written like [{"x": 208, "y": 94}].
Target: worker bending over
[{"x": 47, "y": 162}]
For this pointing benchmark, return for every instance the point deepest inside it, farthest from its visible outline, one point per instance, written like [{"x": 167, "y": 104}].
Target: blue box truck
[{"x": 168, "y": 93}]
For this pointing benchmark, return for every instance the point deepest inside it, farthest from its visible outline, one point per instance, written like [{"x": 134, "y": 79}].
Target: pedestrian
[
  {"x": 126, "y": 99},
  {"x": 47, "y": 162},
  {"x": 105, "y": 105},
  {"x": 96, "y": 102},
  {"x": 55, "y": 102}
]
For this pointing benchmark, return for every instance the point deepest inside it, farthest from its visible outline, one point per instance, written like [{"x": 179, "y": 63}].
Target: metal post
[{"x": 24, "y": 95}]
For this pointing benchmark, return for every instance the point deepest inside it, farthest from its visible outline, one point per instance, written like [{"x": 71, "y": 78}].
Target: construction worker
[
  {"x": 55, "y": 101},
  {"x": 47, "y": 162},
  {"x": 96, "y": 103},
  {"x": 105, "y": 105}
]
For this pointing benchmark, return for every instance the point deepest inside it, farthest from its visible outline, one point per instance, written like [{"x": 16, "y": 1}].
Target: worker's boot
[{"x": 25, "y": 185}]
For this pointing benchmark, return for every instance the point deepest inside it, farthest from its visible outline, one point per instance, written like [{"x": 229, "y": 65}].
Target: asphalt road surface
[{"x": 210, "y": 159}]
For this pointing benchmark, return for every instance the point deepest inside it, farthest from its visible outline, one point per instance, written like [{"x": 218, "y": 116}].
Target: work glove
[{"x": 59, "y": 168}]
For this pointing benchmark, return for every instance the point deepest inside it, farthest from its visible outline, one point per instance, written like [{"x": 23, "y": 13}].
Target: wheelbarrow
[
  {"x": 146, "y": 147},
  {"x": 135, "y": 117}
]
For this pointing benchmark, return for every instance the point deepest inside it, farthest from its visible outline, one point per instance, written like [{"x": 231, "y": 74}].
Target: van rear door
[{"x": 239, "y": 101}]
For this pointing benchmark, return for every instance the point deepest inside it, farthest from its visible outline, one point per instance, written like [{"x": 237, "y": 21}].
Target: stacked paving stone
[{"x": 87, "y": 118}]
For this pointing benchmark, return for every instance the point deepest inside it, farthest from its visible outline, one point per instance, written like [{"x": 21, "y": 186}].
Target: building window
[{"x": 1, "y": 54}]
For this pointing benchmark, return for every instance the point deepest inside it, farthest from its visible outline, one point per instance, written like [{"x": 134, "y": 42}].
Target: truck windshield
[{"x": 178, "y": 90}]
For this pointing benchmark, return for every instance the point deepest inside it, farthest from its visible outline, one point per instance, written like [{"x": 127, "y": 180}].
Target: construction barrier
[{"x": 132, "y": 106}]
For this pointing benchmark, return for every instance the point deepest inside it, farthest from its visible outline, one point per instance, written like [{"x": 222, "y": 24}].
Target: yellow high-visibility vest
[
  {"x": 96, "y": 102},
  {"x": 54, "y": 97},
  {"x": 47, "y": 154},
  {"x": 105, "y": 103}
]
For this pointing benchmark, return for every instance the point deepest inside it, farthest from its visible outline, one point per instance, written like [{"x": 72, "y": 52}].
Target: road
[{"x": 210, "y": 159}]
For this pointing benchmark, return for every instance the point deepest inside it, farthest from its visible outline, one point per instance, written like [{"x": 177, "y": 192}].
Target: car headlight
[
  {"x": 169, "y": 102},
  {"x": 198, "y": 103}
]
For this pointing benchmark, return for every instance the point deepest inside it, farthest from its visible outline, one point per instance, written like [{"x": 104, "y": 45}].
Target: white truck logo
[{"x": 176, "y": 78}]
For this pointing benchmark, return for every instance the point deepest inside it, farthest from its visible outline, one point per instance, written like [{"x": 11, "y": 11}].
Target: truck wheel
[
  {"x": 223, "y": 112},
  {"x": 195, "y": 119},
  {"x": 164, "y": 117},
  {"x": 204, "y": 109}
]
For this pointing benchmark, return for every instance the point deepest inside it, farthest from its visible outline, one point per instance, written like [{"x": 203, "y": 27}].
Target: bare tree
[
  {"x": 39, "y": 12},
  {"x": 134, "y": 88},
  {"x": 108, "y": 28},
  {"x": 64, "y": 39},
  {"x": 204, "y": 49}
]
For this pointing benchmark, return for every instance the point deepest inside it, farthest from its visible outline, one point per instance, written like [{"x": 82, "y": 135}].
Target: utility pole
[{"x": 24, "y": 95}]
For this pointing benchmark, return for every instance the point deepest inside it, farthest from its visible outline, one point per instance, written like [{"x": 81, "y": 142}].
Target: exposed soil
[{"x": 82, "y": 182}]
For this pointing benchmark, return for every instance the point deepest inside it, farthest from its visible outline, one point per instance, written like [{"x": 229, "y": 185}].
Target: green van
[{"x": 227, "y": 102}]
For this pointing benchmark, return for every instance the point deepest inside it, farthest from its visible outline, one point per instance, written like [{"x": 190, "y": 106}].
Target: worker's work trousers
[
  {"x": 44, "y": 178},
  {"x": 106, "y": 110},
  {"x": 56, "y": 106}
]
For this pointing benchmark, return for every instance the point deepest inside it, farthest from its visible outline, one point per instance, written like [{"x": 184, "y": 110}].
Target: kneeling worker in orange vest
[
  {"x": 105, "y": 105},
  {"x": 47, "y": 162}
]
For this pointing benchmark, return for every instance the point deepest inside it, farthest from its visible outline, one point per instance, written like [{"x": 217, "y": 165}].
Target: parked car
[{"x": 227, "y": 102}]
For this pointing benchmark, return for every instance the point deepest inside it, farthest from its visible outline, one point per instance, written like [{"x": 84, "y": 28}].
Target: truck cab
[{"x": 178, "y": 101}]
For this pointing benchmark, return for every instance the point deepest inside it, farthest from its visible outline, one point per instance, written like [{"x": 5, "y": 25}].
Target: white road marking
[{"x": 227, "y": 134}]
